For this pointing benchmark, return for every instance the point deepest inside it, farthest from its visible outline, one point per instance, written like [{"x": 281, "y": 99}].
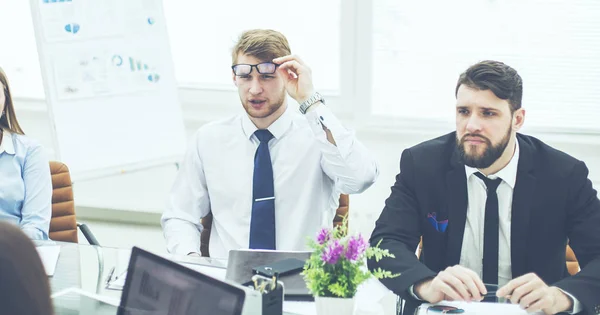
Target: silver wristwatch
[{"x": 316, "y": 97}]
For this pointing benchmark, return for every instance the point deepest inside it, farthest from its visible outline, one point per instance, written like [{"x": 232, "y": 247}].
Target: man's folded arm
[
  {"x": 399, "y": 232},
  {"x": 584, "y": 238}
]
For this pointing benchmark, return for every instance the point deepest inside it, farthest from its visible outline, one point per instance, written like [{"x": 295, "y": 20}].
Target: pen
[{"x": 110, "y": 274}]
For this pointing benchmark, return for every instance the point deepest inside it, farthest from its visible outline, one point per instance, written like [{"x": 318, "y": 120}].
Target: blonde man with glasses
[{"x": 272, "y": 175}]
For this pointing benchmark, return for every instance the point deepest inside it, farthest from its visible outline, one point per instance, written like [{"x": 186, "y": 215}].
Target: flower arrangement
[{"x": 337, "y": 265}]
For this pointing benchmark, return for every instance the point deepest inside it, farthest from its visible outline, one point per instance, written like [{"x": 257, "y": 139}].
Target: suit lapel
[
  {"x": 456, "y": 188},
  {"x": 521, "y": 208}
]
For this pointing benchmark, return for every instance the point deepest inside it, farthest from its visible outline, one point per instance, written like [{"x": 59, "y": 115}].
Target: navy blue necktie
[
  {"x": 262, "y": 224},
  {"x": 490, "y": 231}
]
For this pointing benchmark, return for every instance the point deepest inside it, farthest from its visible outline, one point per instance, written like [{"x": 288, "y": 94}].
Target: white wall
[{"x": 139, "y": 197}]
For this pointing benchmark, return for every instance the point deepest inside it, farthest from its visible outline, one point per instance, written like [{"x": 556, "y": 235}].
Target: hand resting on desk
[
  {"x": 533, "y": 294},
  {"x": 455, "y": 283}
]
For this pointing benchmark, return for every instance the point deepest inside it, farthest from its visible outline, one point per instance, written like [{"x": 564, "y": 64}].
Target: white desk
[
  {"x": 87, "y": 267},
  {"x": 480, "y": 308}
]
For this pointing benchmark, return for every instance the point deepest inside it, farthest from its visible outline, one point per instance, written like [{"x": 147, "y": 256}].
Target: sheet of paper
[
  {"x": 49, "y": 256},
  {"x": 74, "y": 290},
  {"x": 299, "y": 308},
  {"x": 217, "y": 273},
  {"x": 118, "y": 282},
  {"x": 372, "y": 298},
  {"x": 474, "y": 308}
]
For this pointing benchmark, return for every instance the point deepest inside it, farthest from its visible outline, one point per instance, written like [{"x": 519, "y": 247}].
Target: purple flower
[
  {"x": 356, "y": 246},
  {"x": 332, "y": 253},
  {"x": 323, "y": 236}
]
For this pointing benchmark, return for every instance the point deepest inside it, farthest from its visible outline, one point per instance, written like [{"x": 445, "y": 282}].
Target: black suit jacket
[{"x": 553, "y": 202}]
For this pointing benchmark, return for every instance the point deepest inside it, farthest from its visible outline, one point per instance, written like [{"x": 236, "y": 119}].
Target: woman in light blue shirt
[{"x": 25, "y": 181}]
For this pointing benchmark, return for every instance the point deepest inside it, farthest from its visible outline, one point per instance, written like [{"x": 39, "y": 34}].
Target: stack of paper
[{"x": 49, "y": 255}]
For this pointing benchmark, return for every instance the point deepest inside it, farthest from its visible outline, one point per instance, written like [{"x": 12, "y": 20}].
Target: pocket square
[{"x": 439, "y": 226}]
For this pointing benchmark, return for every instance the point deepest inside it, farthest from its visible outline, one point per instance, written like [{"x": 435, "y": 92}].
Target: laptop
[
  {"x": 241, "y": 261},
  {"x": 156, "y": 285}
]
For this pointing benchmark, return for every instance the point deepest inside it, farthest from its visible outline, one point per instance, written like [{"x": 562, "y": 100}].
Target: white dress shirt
[
  {"x": 471, "y": 255},
  {"x": 25, "y": 185},
  {"x": 309, "y": 175}
]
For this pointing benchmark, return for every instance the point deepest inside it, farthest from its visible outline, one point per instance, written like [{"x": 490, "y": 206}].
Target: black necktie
[
  {"x": 262, "y": 223},
  {"x": 490, "y": 231}
]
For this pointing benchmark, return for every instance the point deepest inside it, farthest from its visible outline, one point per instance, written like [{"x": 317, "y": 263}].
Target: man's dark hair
[{"x": 496, "y": 76}]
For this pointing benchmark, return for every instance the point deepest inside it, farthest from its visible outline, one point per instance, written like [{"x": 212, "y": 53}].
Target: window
[
  {"x": 18, "y": 50},
  {"x": 420, "y": 48},
  {"x": 203, "y": 34}
]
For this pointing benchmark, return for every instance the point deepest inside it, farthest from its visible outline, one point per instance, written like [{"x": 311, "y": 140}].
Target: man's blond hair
[{"x": 265, "y": 45}]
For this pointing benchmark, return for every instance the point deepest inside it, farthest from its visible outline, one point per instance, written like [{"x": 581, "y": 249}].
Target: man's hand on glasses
[{"x": 297, "y": 76}]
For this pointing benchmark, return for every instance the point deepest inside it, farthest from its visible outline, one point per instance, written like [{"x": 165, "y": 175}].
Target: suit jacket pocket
[{"x": 434, "y": 246}]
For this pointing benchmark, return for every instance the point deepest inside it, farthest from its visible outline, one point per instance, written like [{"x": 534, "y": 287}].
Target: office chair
[
  {"x": 572, "y": 263},
  {"x": 63, "y": 225},
  {"x": 206, "y": 222}
]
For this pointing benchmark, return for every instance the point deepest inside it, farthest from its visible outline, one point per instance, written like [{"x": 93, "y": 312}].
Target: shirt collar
[
  {"x": 277, "y": 128},
  {"x": 7, "y": 144},
  {"x": 508, "y": 174}
]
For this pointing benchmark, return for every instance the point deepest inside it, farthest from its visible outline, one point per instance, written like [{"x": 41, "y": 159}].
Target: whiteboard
[{"x": 110, "y": 85}]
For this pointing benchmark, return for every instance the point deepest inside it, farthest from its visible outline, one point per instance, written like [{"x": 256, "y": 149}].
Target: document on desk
[
  {"x": 49, "y": 256},
  {"x": 117, "y": 282},
  {"x": 372, "y": 298},
  {"x": 299, "y": 308},
  {"x": 487, "y": 308},
  {"x": 215, "y": 272}
]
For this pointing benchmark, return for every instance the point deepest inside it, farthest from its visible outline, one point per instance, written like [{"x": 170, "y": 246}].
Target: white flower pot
[{"x": 333, "y": 305}]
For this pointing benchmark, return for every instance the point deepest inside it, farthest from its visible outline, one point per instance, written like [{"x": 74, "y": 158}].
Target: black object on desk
[
  {"x": 241, "y": 262},
  {"x": 281, "y": 268},
  {"x": 272, "y": 293}
]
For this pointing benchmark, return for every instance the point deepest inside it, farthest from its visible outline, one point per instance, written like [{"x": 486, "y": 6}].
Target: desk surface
[
  {"x": 477, "y": 308},
  {"x": 87, "y": 267}
]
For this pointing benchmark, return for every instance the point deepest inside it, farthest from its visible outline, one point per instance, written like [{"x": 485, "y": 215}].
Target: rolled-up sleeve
[
  {"x": 188, "y": 203},
  {"x": 348, "y": 162}
]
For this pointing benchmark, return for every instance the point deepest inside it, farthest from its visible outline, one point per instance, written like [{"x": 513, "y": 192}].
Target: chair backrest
[
  {"x": 340, "y": 213},
  {"x": 572, "y": 264},
  {"x": 63, "y": 225},
  {"x": 342, "y": 210}
]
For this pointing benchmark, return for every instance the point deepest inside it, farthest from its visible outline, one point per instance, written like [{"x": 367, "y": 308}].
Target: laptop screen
[{"x": 155, "y": 285}]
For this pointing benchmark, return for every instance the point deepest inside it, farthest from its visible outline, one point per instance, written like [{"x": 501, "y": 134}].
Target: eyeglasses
[
  {"x": 445, "y": 309},
  {"x": 262, "y": 68}
]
